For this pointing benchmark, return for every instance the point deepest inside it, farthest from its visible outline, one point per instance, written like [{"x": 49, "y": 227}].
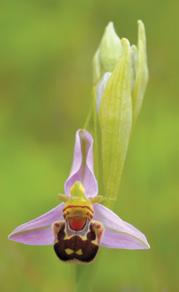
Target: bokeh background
[{"x": 46, "y": 49}]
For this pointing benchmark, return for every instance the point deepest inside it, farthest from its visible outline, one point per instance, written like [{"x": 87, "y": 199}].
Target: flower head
[{"x": 79, "y": 225}]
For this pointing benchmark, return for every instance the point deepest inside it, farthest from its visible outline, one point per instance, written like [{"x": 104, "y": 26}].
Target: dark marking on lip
[{"x": 76, "y": 243}]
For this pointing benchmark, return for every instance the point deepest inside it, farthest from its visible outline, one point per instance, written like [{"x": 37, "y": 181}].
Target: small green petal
[
  {"x": 108, "y": 53},
  {"x": 110, "y": 49}
]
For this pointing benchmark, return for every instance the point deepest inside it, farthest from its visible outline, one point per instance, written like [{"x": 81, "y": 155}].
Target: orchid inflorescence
[{"x": 79, "y": 225}]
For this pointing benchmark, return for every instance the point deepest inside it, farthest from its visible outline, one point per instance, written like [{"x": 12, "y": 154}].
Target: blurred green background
[{"x": 46, "y": 49}]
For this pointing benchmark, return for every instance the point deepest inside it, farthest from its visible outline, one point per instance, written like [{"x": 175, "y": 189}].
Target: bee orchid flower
[{"x": 78, "y": 226}]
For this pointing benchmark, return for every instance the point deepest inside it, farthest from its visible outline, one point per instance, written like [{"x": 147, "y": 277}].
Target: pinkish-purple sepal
[
  {"x": 118, "y": 233},
  {"x": 38, "y": 231}
]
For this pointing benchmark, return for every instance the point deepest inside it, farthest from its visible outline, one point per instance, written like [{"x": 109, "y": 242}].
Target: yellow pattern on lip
[
  {"x": 79, "y": 252},
  {"x": 69, "y": 251}
]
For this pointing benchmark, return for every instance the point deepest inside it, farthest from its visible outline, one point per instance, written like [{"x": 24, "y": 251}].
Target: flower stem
[{"x": 84, "y": 276}]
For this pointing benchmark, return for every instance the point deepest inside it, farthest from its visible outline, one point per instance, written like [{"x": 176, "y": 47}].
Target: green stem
[{"x": 83, "y": 275}]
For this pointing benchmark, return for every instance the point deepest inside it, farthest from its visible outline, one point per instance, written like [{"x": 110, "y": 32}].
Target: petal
[
  {"x": 82, "y": 167},
  {"x": 118, "y": 233},
  {"x": 38, "y": 231}
]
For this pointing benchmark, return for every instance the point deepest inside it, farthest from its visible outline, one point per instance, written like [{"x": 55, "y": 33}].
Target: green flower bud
[
  {"x": 120, "y": 78},
  {"x": 107, "y": 54}
]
